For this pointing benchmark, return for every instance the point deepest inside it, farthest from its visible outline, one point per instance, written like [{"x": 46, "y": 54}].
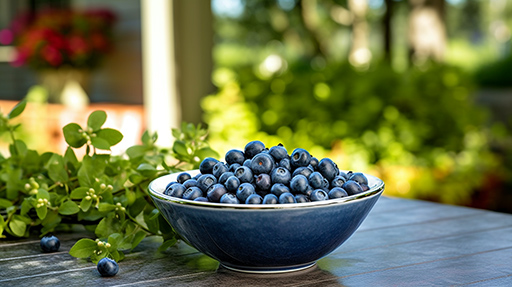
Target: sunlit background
[{"x": 418, "y": 92}]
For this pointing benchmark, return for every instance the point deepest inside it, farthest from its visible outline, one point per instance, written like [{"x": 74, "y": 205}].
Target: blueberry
[
  {"x": 328, "y": 169},
  {"x": 244, "y": 174},
  {"x": 219, "y": 168},
  {"x": 316, "y": 180},
  {"x": 50, "y": 243},
  {"x": 263, "y": 182},
  {"x": 337, "y": 192},
  {"x": 318, "y": 195},
  {"x": 262, "y": 163},
  {"x": 254, "y": 199},
  {"x": 338, "y": 181},
  {"x": 300, "y": 157},
  {"x": 247, "y": 163},
  {"x": 225, "y": 176},
  {"x": 232, "y": 184},
  {"x": 287, "y": 198},
  {"x": 352, "y": 187},
  {"x": 107, "y": 267},
  {"x": 270, "y": 199},
  {"x": 314, "y": 162},
  {"x": 182, "y": 177},
  {"x": 278, "y": 189},
  {"x": 206, "y": 166},
  {"x": 253, "y": 148},
  {"x": 280, "y": 175},
  {"x": 285, "y": 162},
  {"x": 192, "y": 193},
  {"x": 244, "y": 191},
  {"x": 215, "y": 192},
  {"x": 278, "y": 152},
  {"x": 170, "y": 184},
  {"x": 235, "y": 156},
  {"x": 301, "y": 198},
  {"x": 359, "y": 177},
  {"x": 364, "y": 187},
  {"x": 233, "y": 167},
  {"x": 343, "y": 174},
  {"x": 176, "y": 190},
  {"x": 299, "y": 184},
  {"x": 201, "y": 198},
  {"x": 190, "y": 182},
  {"x": 205, "y": 181},
  {"x": 229, "y": 198},
  {"x": 304, "y": 170}
]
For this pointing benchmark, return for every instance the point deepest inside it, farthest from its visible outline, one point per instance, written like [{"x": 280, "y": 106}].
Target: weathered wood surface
[{"x": 401, "y": 243}]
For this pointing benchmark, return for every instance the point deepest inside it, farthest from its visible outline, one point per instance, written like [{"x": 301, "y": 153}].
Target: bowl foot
[{"x": 268, "y": 270}]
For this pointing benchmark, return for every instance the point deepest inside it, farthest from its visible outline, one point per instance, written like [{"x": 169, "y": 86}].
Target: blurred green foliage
[
  {"x": 419, "y": 129},
  {"x": 496, "y": 74}
]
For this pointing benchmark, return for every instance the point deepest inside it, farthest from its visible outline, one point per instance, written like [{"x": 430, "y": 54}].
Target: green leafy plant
[{"x": 103, "y": 193}]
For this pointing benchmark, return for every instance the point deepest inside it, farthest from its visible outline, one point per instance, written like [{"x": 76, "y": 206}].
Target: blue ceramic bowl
[{"x": 265, "y": 238}]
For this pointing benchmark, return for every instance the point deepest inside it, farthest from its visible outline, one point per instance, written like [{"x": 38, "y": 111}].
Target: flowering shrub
[{"x": 61, "y": 37}]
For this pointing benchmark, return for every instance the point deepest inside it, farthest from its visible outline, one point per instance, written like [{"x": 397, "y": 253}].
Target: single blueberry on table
[
  {"x": 300, "y": 157},
  {"x": 107, "y": 267},
  {"x": 50, "y": 243},
  {"x": 263, "y": 182},
  {"x": 299, "y": 184},
  {"x": 280, "y": 175},
  {"x": 215, "y": 192},
  {"x": 232, "y": 183},
  {"x": 254, "y": 199},
  {"x": 253, "y": 148},
  {"x": 176, "y": 190},
  {"x": 278, "y": 152},
  {"x": 192, "y": 193},
  {"x": 328, "y": 168},
  {"x": 262, "y": 163},
  {"x": 205, "y": 181},
  {"x": 206, "y": 166},
  {"x": 337, "y": 192},
  {"x": 229, "y": 198},
  {"x": 244, "y": 191},
  {"x": 219, "y": 169},
  {"x": 352, "y": 187},
  {"x": 318, "y": 195},
  {"x": 182, "y": 177},
  {"x": 287, "y": 198},
  {"x": 234, "y": 156},
  {"x": 278, "y": 189},
  {"x": 244, "y": 174},
  {"x": 270, "y": 199}
]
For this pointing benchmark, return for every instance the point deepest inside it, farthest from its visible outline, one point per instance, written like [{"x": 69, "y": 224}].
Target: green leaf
[
  {"x": 43, "y": 194},
  {"x": 180, "y": 148},
  {"x": 166, "y": 244},
  {"x": 115, "y": 239},
  {"x": 18, "y": 109},
  {"x": 85, "y": 204},
  {"x": 107, "y": 226},
  {"x": 106, "y": 207},
  {"x": 137, "y": 207},
  {"x": 41, "y": 211},
  {"x": 73, "y": 134},
  {"x": 68, "y": 207},
  {"x": 27, "y": 204},
  {"x": 56, "y": 169},
  {"x": 136, "y": 151},
  {"x": 112, "y": 136},
  {"x": 70, "y": 157},
  {"x": 4, "y": 203},
  {"x": 79, "y": 192},
  {"x": 139, "y": 236},
  {"x": 206, "y": 152},
  {"x": 17, "y": 227},
  {"x": 100, "y": 143},
  {"x": 96, "y": 120},
  {"x": 83, "y": 248}
]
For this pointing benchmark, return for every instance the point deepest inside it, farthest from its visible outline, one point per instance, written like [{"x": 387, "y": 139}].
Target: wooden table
[{"x": 401, "y": 243}]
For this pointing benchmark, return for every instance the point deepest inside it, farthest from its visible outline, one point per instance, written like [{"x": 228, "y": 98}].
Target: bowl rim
[{"x": 374, "y": 190}]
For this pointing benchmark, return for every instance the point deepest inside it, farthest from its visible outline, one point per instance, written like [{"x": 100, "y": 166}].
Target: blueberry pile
[{"x": 261, "y": 175}]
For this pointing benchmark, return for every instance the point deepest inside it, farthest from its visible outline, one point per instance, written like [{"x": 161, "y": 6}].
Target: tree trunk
[
  {"x": 388, "y": 37},
  {"x": 427, "y": 36}
]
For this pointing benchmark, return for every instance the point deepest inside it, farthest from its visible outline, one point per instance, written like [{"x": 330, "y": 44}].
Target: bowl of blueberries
[{"x": 265, "y": 210}]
